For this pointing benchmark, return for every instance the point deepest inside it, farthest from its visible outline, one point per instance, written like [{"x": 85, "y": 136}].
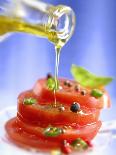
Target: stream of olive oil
[
  {"x": 11, "y": 25},
  {"x": 57, "y": 50}
]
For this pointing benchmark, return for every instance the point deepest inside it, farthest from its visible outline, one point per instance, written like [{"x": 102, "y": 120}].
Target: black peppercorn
[
  {"x": 67, "y": 83},
  {"x": 75, "y": 107},
  {"x": 83, "y": 92},
  {"x": 77, "y": 88},
  {"x": 49, "y": 76}
]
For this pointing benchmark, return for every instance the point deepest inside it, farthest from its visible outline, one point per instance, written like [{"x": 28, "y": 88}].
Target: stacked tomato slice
[{"x": 28, "y": 128}]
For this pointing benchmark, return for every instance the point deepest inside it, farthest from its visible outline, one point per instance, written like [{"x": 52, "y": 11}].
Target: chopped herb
[
  {"x": 52, "y": 85},
  {"x": 79, "y": 144},
  {"x": 96, "y": 93},
  {"x": 29, "y": 101},
  {"x": 75, "y": 107},
  {"x": 88, "y": 79},
  {"x": 53, "y": 131}
]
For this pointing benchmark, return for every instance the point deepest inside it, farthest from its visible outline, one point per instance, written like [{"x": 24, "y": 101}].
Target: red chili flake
[
  {"x": 89, "y": 143},
  {"x": 66, "y": 148}
]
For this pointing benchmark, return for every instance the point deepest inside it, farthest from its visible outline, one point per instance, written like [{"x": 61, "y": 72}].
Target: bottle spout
[{"x": 62, "y": 21}]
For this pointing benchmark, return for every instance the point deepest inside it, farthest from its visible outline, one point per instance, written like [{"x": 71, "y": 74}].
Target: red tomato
[
  {"x": 28, "y": 128},
  {"x": 67, "y": 94},
  {"x": 20, "y": 132},
  {"x": 27, "y": 140},
  {"x": 47, "y": 114}
]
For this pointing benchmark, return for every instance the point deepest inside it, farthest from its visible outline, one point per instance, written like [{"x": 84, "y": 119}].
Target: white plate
[{"x": 7, "y": 148}]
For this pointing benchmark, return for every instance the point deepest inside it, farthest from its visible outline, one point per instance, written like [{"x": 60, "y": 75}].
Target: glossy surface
[
  {"x": 33, "y": 135},
  {"x": 28, "y": 128},
  {"x": 44, "y": 112},
  {"x": 101, "y": 142},
  {"x": 68, "y": 94}
]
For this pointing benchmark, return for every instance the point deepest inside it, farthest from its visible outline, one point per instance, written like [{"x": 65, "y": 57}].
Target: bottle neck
[{"x": 62, "y": 22}]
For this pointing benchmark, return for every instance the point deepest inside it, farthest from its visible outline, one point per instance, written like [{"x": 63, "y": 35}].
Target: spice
[
  {"x": 61, "y": 108},
  {"x": 77, "y": 88},
  {"x": 96, "y": 93},
  {"x": 83, "y": 92},
  {"x": 53, "y": 131},
  {"x": 67, "y": 83},
  {"x": 66, "y": 148},
  {"x": 63, "y": 131},
  {"x": 65, "y": 127},
  {"x": 75, "y": 107},
  {"x": 49, "y": 76},
  {"x": 29, "y": 101}
]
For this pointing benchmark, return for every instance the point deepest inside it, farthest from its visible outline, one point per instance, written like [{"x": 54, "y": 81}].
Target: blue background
[{"x": 25, "y": 58}]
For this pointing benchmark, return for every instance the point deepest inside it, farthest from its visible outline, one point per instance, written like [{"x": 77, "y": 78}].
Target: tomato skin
[
  {"x": 87, "y": 132},
  {"x": 15, "y": 126},
  {"x": 43, "y": 114},
  {"x": 68, "y": 95},
  {"x": 27, "y": 140}
]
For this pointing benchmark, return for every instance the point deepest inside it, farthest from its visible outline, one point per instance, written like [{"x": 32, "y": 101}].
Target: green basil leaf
[
  {"x": 52, "y": 85},
  {"x": 88, "y": 79}
]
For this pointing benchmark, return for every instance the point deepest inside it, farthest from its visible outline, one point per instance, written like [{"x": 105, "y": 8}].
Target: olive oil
[
  {"x": 10, "y": 25},
  {"x": 57, "y": 50}
]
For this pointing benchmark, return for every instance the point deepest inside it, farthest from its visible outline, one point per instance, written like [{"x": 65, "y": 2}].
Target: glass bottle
[{"x": 55, "y": 23}]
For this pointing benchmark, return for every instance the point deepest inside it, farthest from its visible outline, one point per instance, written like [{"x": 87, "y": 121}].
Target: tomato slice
[
  {"x": 27, "y": 140},
  {"x": 28, "y": 128},
  {"x": 47, "y": 114},
  {"x": 20, "y": 132},
  {"x": 68, "y": 94}
]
